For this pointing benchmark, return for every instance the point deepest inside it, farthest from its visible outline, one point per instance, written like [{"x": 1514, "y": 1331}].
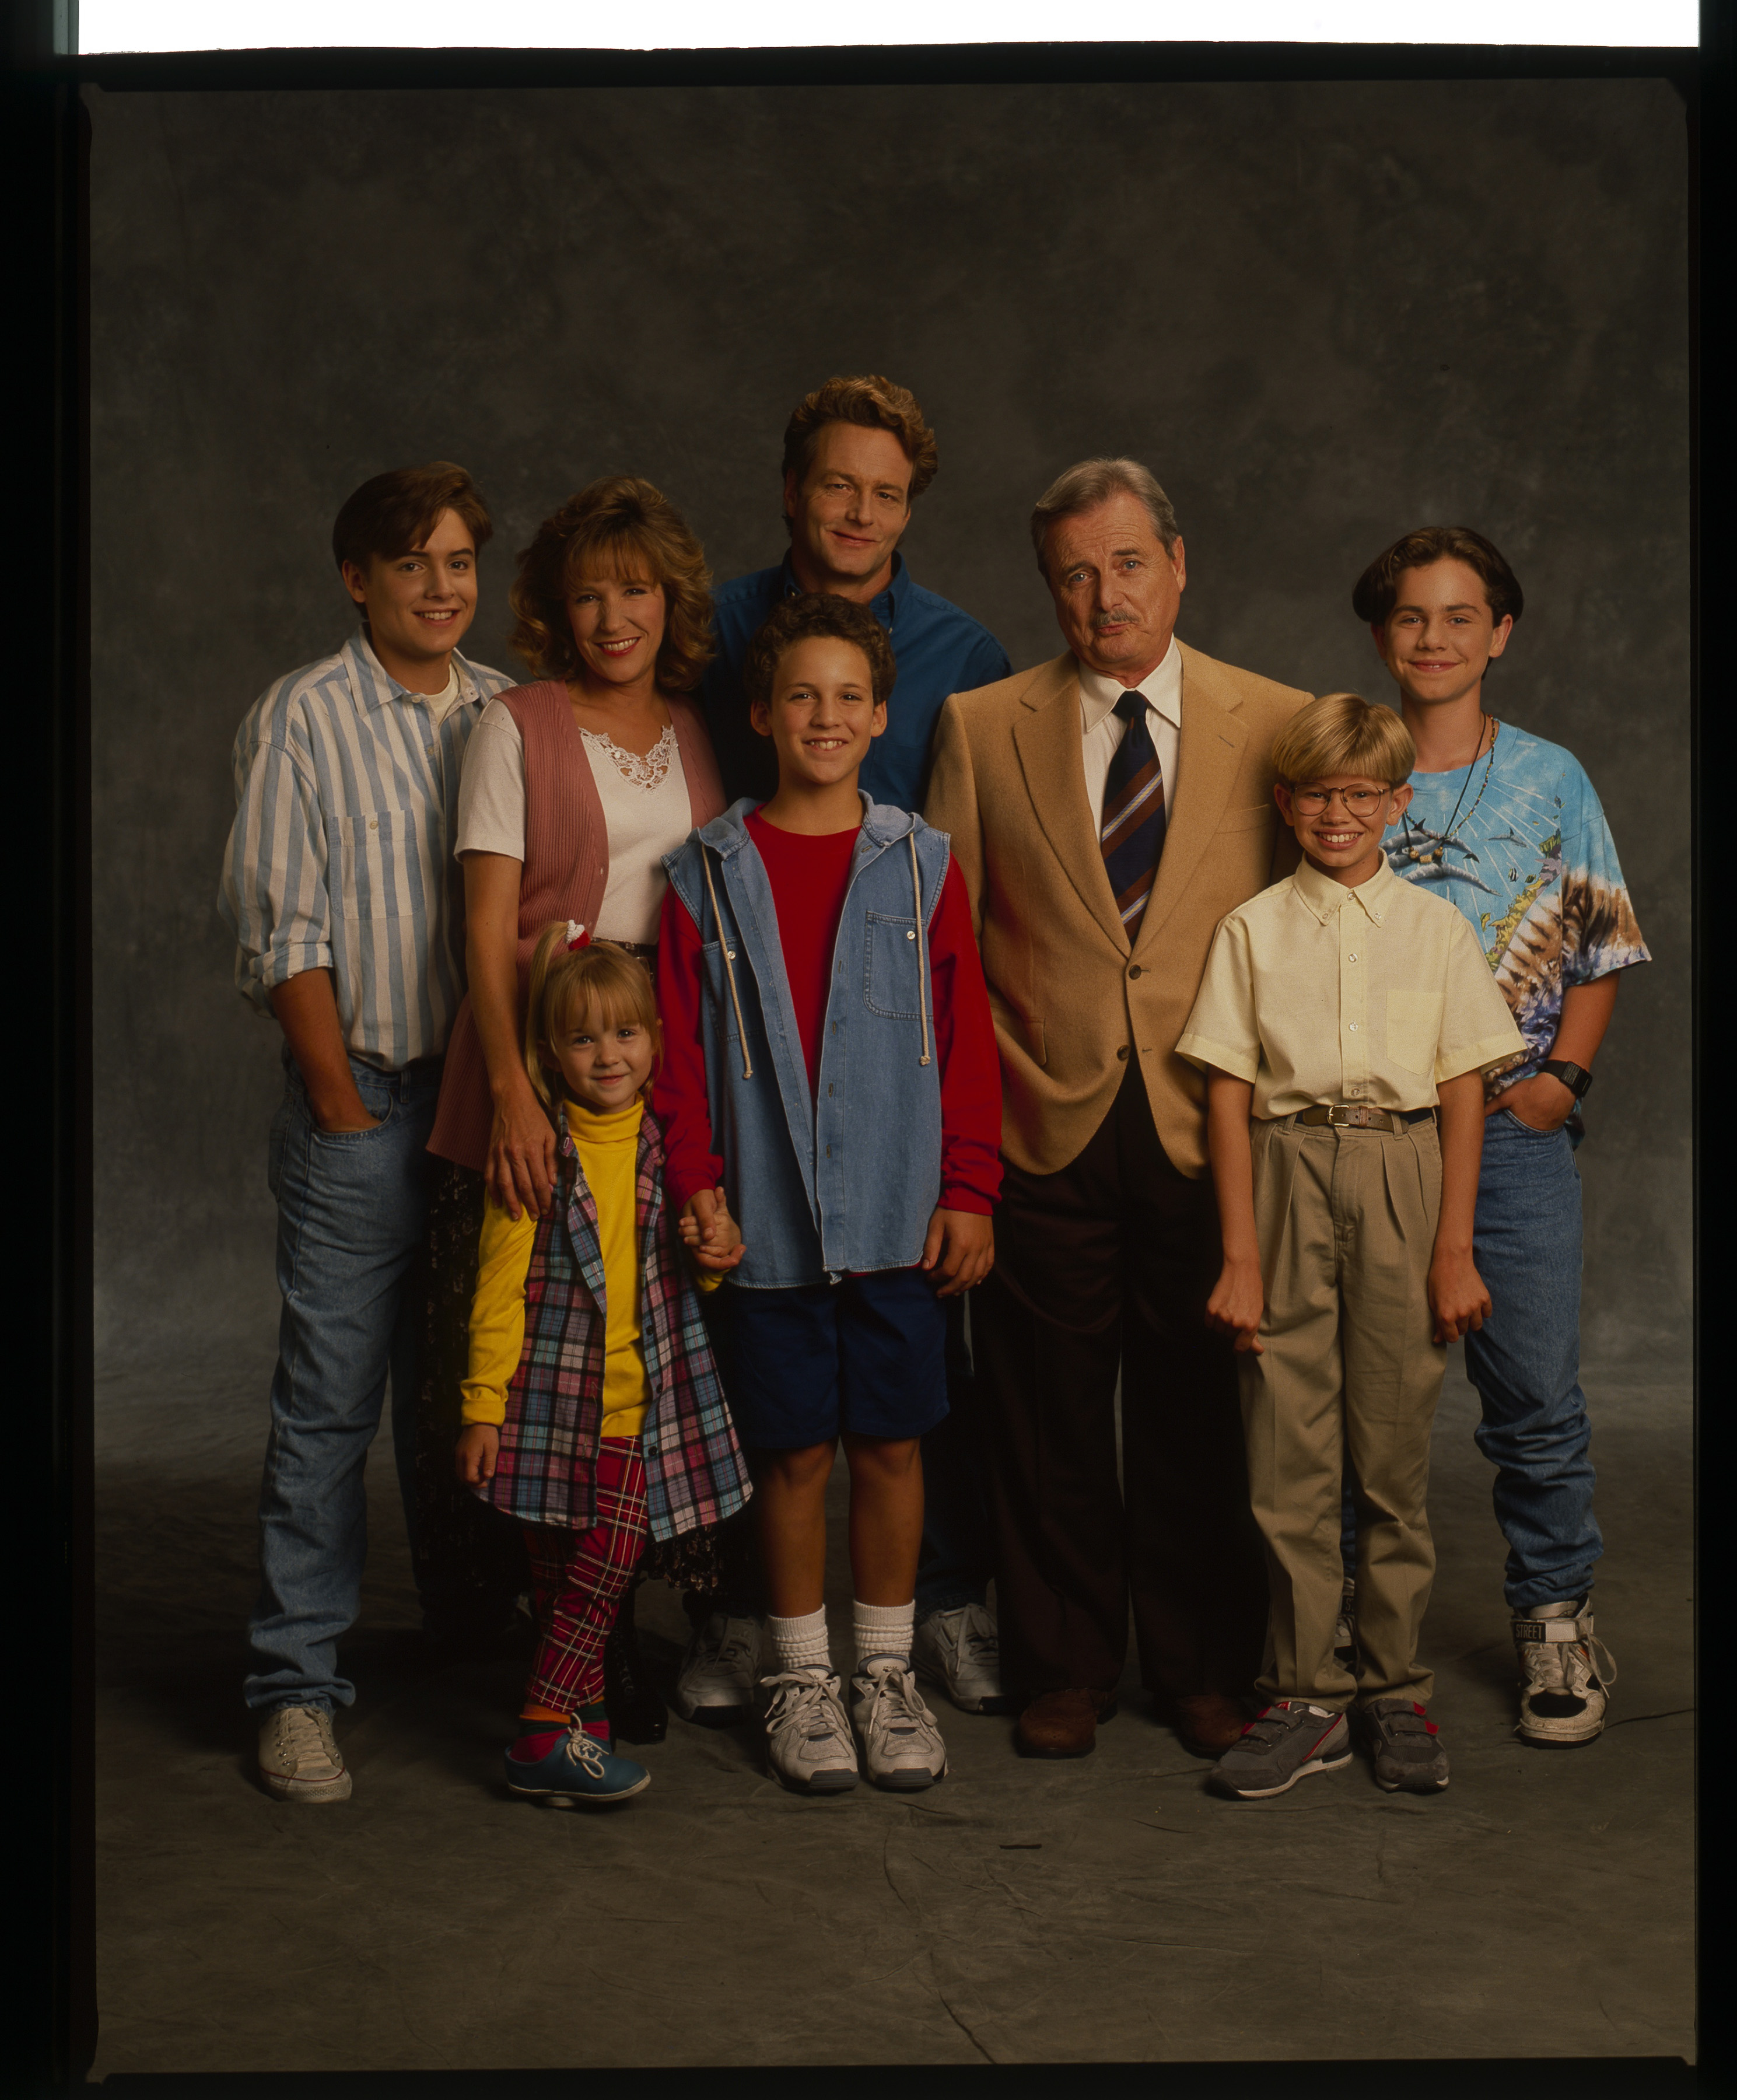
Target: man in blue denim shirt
[{"x": 857, "y": 454}]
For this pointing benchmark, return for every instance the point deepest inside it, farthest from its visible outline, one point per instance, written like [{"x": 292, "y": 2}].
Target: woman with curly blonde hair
[{"x": 574, "y": 786}]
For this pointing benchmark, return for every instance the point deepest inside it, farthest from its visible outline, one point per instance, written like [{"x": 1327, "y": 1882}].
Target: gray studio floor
[{"x": 1109, "y": 1910}]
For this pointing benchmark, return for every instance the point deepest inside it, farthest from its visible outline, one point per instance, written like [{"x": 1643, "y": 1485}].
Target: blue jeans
[
  {"x": 351, "y": 1213},
  {"x": 953, "y": 1568},
  {"x": 1525, "y": 1363}
]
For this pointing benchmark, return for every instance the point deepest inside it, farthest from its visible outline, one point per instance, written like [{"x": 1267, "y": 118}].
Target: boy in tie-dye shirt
[{"x": 1508, "y": 828}]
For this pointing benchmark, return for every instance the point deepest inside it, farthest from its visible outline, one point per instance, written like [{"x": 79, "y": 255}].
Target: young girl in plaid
[{"x": 593, "y": 1413}]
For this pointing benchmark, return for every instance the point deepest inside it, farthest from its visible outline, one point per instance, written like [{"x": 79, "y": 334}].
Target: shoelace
[
  {"x": 795, "y": 1694},
  {"x": 583, "y": 1749},
  {"x": 299, "y": 1735},
  {"x": 983, "y": 1643},
  {"x": 1561, "y": 1663},
  {"x": 897, "y": 1687}
]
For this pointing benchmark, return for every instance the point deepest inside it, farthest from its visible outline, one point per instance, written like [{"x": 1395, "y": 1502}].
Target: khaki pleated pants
[{"x": 1349, "y": 1375}]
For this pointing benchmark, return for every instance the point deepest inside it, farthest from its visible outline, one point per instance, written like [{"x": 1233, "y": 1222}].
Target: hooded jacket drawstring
[
  {"x": 916, "y": 889},
  {"x": 730, "y": 971}
]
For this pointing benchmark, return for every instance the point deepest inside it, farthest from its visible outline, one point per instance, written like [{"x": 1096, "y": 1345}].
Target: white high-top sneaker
[
  {"x": 1565, "y": 1674},
  {"x": 299, "y": 1760}
]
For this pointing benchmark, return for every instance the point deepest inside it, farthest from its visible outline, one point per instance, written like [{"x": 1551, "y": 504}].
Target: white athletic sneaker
[
  {"x": 299, "y": 1761},
  {"x": 715, "y": 1685},
  {"x": 808, "y": 1747},
  {"x": 901, "y": 1746},
  {"x": 1565, "y": 1674},
  {"x": 960, "y": 1652}
]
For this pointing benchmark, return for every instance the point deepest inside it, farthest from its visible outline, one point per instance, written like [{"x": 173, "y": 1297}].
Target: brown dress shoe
[
  {"x": 1064, "y": 1724},
  {"x": 1207, "y": 1723}
]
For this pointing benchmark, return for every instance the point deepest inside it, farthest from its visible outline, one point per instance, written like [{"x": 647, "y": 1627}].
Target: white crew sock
[
  {"x": 881, "y": 1629},
  {"x": 801, "y": 1643}
]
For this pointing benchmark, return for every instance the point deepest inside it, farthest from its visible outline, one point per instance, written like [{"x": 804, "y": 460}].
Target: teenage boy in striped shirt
[{"x": 339, "y": 882}]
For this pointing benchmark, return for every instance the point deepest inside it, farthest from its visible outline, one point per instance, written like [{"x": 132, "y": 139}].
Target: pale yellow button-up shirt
[{"x": 1321, "y": 994}]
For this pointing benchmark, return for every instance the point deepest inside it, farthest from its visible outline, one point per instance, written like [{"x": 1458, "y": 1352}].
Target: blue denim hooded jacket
[{"x": 847, "y": 1182}]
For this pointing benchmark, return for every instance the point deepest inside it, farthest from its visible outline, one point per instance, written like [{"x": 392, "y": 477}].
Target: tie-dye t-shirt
[{"x": 1533, "y": 866}]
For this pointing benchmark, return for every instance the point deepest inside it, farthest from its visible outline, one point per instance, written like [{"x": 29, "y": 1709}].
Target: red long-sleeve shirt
[{"x": 809, "y": 875}]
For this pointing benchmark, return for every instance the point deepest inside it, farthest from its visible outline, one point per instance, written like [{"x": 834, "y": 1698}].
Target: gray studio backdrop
[{"x": 1322, "y": 314}]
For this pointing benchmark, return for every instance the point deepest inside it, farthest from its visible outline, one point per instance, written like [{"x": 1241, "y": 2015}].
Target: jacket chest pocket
[
  {"x": 891, "y": 967},
  {"x": 380, "y": 865}
]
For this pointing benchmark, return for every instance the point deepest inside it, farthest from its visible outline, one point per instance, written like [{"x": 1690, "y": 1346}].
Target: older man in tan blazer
[{"x": 1107, "y": 809}]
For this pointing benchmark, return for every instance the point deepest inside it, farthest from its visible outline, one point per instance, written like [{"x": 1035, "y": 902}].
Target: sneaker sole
[
  {"x": 1411, "y": 1786},
  {"x": 1302, "y": 1772},
  {"x": 710, "y": 1716},
  {"x": 305, "y": 1792},
  {"x": 822, "y": 1783},
  {"x": 1557, "y": 1742},
  {"x": 556, "y": 1797},
  {"x": 908, "y": 1782}
]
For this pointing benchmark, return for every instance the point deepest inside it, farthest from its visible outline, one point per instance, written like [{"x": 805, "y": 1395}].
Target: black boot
[{"x": 637, "y": 1713}]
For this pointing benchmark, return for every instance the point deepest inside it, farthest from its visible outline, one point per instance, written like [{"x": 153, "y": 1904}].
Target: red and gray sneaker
[
  {"x": 1290, "y": 1740},
  {"x": 1410, "y": 1758},
  {"x": 1565, "y": 1674}
]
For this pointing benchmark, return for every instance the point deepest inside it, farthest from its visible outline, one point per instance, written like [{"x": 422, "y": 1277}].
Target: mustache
[{"x": 1100, "y": 621}]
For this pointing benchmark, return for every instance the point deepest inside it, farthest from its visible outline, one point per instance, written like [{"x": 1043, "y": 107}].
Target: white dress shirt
[{"x": 1102, "y": 728}]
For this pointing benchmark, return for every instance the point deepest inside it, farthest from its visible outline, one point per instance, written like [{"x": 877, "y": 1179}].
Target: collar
[
  {"x": 1162, "y": 688},
  {"x": 374, "y": 687},
  {"x": 885, "y": 606},
  {"x": 1325, "y": 897},
  {"x": 605, "y": 1127}
]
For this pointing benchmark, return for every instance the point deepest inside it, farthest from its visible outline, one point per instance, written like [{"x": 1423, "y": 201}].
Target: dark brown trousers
[{"x": 1107, "y": 1264}]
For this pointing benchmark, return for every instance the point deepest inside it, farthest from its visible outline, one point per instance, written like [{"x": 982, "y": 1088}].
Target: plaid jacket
[{"x": 545, "y": 1473}]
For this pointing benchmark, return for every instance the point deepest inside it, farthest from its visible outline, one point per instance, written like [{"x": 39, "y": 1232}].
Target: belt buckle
[{"x": 1355, "y": 1116}]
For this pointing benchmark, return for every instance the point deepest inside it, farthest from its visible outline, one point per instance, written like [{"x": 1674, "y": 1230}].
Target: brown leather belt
[
  {"x": 1353, "y": 1115},
  {"x": 646, "y": 950}
]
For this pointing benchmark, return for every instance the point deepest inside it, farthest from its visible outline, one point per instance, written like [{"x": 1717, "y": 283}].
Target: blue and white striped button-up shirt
[{"x": 346, "y": 808}]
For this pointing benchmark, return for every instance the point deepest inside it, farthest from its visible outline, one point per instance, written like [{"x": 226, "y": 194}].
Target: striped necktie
[{"x": 1132, "y": 833}]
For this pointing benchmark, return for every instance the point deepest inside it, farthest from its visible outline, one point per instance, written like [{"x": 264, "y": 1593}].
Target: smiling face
[
  {"x": 1339, "y": 820},
  {"x": 1438, "y": 640},
  {"x": 602, "y": 1064},
  {"x": 419, "y": 604},
  {"x": 1118, "y": 589},
  {"x": 823, "y": 715},
  {"x": 618, "y": 626},
  {"x": 848, "y": 509}
]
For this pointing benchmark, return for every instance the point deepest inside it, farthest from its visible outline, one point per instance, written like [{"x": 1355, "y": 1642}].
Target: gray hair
[{"x": 1085, "y": 487}]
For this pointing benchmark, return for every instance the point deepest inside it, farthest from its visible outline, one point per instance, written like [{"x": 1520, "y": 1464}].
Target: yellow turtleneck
[{"x": 608, "y": 1147}]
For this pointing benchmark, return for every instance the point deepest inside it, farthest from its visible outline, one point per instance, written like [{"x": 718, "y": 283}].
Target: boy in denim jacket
[{"x": 830, "y": 1069}]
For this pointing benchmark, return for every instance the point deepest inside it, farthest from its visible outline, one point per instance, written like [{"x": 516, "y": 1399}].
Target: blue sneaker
[{"x": 577, "y": 1773}]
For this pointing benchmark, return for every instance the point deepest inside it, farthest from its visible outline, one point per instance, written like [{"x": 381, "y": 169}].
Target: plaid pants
[{"x": 580, "y": 1577}]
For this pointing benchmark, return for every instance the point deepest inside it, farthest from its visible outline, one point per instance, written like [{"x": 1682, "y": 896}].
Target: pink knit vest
[{"x": 565, "y": 870}]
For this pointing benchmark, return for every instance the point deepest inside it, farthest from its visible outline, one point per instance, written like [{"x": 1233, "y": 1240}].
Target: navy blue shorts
[{"x": 865, "y": 1356}]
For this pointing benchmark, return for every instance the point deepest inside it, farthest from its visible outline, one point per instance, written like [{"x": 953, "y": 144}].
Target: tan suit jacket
[{"x": 1072, "y": 1001}]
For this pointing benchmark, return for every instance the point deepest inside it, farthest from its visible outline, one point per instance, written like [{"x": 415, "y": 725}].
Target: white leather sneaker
[
  {"x": 715, "y": 1685},
  {"x": 961, "y": 1652},
  {"x": 809, "y": 1745},
  {"x": 901, "y": 1743},
  {"x": 1565, "y": 1674},
  {"x": 299, "y": 1761}
]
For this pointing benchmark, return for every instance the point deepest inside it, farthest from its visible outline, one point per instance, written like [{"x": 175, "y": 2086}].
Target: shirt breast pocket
[
  {"x": 890, "y": 981},
  {"x": 1413, "y": 1030},
  {"x": 379, "y": 864}
]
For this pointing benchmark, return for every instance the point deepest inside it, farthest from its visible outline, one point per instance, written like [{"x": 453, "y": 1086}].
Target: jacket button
[
  {"x": 1134, "y": 969},
  {"x": 1122, "y": 1053}
]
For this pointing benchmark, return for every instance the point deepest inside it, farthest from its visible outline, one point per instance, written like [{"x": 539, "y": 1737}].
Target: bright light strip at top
[{"x": 200, "y": 25}]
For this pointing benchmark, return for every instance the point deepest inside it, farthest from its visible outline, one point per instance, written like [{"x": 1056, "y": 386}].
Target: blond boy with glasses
[{"x": 1344, "y": 1023}]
